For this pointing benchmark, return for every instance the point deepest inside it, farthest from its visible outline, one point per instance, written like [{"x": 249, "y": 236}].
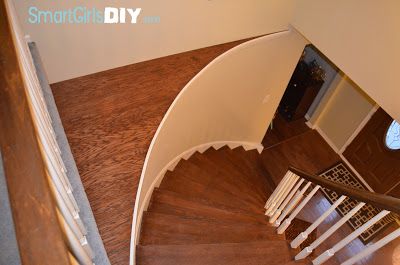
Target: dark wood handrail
[
  {"x": 375, "y": 199},
  {"x": 38, "y": 231}
]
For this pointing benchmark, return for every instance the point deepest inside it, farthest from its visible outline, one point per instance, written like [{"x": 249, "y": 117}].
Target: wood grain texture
[
  {"x": 110, "y": 118},
  {"x": 38, "y": 232},
  {"x": 369, "y": 155},
  {"x": 283, "y": 130},
  {"x": 378, "y": 200},
  {"x": 212, "y": 202}
]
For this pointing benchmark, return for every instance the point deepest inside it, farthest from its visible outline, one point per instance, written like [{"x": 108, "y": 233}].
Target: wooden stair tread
[
  {"x": 208, "y": 174},
  {"x": 210, "y": 210},
  {"x": 246, "y": 161},
  {"x": 174, "y": 205},
  {"x": 169, "y": 229},
  {"x": 194, "y": 189},
  {"x": 249, "y": 253},
  {"x": 219, "y": 164},
  {"x": 252, "y": 159}
]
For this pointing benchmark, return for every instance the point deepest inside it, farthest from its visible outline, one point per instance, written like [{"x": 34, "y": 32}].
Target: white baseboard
[
  {"x": 326, "y": 138},
  {"x": 355, "y": 172},
  {"x": 310, "y": 125},
  {"x": 339, "y": 152}
]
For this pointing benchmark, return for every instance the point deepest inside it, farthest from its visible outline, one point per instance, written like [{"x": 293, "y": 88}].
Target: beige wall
[
  {"x": 362, "y": 38},
  {"x": 233, "y": 99},
  {"x": 74, "y": 50},
  {"x": 346, "y": 108}
]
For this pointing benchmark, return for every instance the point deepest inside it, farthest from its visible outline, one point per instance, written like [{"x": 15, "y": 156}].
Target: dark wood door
[{"x": 369, "y": 155}]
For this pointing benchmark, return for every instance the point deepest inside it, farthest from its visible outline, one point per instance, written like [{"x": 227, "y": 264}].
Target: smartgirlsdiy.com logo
[{"x": 84, "y": 15}]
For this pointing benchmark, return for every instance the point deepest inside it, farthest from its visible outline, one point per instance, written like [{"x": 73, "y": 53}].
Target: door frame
[{"x": 348, "y": 142}]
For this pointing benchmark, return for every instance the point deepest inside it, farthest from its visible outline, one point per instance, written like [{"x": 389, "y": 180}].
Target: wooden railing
[
  {"x": 45, "y": 214},
  {"x": 289, "y": 199}
]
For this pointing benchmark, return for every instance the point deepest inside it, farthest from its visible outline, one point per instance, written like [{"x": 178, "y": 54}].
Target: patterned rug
[{"x": 341, "y": 174}]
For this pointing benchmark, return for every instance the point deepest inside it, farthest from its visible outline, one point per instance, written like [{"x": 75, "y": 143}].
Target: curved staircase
[{"x": 210, "y": 210}]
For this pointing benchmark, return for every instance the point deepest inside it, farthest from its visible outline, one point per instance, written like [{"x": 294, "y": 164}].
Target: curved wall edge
[{"x": 229, "y": 102}]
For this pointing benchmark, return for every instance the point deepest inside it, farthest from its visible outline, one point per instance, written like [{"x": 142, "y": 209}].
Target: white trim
[
  {"x": 332, "y": 145},
  {"x": 310, "y": 125},
  {"x": 359, "y": 128},
  {"x": 356, "y": 172},
  {"x": 326, "y": 138}
]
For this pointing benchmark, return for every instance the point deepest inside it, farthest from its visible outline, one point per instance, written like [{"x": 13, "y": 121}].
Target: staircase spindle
[
  {"x": 304, "y": 235},
  {"x": 274, "y": 206},
  {"x": 293, "y": 202},
  {"x": 330, "y": 252},
  {"x": 286, "y": 201},
  {"x": 284, "y": 195},
  {"x": 277, "y": 190},
  {"x": 282, "y": 228},
  {"x": 308, "y": 250},
  {"x": 82, "y": 253},
  {"x": 372, "y": 248}
]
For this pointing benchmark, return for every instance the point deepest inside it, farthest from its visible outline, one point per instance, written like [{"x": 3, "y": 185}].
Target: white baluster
[
  {"x": 304, "y": 235},
  {"x": 295, "y": 200},
  {"x": 283, "y": 195},
  {"x": 272, "y": 208},
  {"x": 283, "y": 205},
  {"x": 82, "y": 253},
  {"x": 276, "y": 191},
  {"x": 330, "y": 252},
  {"x": 282, "y": 228},
  {"x": 308, "y": 250},
  {"x": 372, "y": 248}
]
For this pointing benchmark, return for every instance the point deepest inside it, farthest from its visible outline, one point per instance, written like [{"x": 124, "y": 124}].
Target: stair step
[
  {"x": 252, "y": 159},
  {"x": 211, "y": 193},
  {"x": 174, "y": 204},
  {"x": 247, "y": 162},
  {"x": 218, "y": 165},
  {"x": 249, "y": 253},
  {"x": 208, "y": 174},
  {"x": 163, "y": 229}
]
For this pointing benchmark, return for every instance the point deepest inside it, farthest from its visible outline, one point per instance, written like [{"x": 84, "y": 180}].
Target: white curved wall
[{"x": 232, "y": 99}]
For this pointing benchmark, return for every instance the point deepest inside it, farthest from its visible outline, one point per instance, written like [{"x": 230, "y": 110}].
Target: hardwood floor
[
  {"x": 283, "y": 130},
  {"x": 110, "y": 119}
]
